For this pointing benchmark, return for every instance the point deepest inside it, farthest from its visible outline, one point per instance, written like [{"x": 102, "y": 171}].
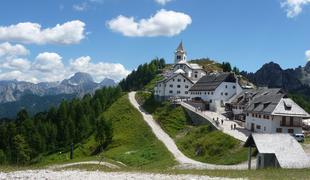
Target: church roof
[{"x": 181, "y": 47}]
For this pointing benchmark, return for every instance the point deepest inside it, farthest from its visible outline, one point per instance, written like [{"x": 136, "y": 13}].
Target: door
[{"x": 252, "y": 127}]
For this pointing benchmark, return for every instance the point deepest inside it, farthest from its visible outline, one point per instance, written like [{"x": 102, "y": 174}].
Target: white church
[
  {"x": 191, "y": 81},
  {"x": 182, "y": 77}
]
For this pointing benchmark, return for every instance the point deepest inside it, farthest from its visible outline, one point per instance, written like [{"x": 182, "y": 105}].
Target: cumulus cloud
[
  {"x": 294, "y": 7},
  {"x": 71, "y": 32},
  {"x": 163, "y": 23},
  {"x": 49, "y": 67},
  {"x": 308, "y": 55},
  {"x": 7, "y": 49},
  {"x": 100, "y": 70},
  {"x": 162, "y": 2}
]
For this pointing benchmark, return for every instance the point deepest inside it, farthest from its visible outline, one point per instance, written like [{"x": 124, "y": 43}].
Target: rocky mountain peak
[
  {"x": 307, "y": 67},
  {"x": 79, "y": 78}
]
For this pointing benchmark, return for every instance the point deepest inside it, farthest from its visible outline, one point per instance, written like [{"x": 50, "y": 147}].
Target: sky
[{"x": 52, "y": 39}]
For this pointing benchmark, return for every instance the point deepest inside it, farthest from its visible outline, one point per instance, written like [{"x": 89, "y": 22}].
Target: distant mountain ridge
[
  {"x": 14, "y": 95},
  {"x": 272, "y": 75}
]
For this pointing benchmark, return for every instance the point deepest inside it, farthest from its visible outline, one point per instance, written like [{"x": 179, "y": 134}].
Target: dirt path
[
  {"x": 109, "y": 165},
  {"x": 94, "y": 175},
  {"x": 185, "y": 162}
]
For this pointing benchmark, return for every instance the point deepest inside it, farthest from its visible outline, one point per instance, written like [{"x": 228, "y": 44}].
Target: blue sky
[{"x": 247, "y": 33}]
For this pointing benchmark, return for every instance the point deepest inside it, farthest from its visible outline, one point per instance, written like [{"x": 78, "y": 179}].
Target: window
[
  {"x": 291, "y": 131},
  {"x": 171, "y": 85},
  {"x": 264, "y": 128},
  {"x": 252, "y": 114},
  {"x": 259, "y": 116},
  {"x": 247, "y": 114},
  {"x": 226, "y": 86},
  {"x": 186, "y": 86},
  {"x": 291, "y": 121},
  {"x": 173, "y": 80},
  {"x": 183, "y": 80},
  {"x": 178, "y": 86},
  {"x": 205, "y": 93},
  {"x": 186, "y": 92},
  {"x": 208, "y": 93},
  {"x": 178, "y": 57},
  {"x": 210, "y": 101},
  {"x": 279, "y": 130},
  {"x": 211, "y": 93},
  {"x": 226, "y": 94},
  {"x": 257, "y": 126},
  {"x": 283, "y": 122},
  {"x": 170, "y": 92},
  {"x": 196, "y": 76},
  {"x": 179, "y": 80},
  {"x": 234, "y": 87},
  {"x": 178, "y": 92},
  {"x": 221, "y": 93}
]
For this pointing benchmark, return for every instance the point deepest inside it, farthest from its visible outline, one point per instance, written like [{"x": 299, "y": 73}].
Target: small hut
[{"x": 277, "y": 150}]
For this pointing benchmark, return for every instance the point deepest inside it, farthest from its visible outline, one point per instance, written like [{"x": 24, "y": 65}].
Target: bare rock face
[
  {"x": 272, "y": 75},
  {"x": 17, "y": 93}
]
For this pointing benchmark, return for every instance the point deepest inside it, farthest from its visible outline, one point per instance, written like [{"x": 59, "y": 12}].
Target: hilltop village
[{"x": 217, "y": 96}]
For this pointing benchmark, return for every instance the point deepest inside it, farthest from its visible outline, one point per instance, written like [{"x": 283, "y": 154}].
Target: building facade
[
  {"x": 180, "y": 79},
  {"x": 274, "y": 113},
  {"x": 216, "y": 89}
]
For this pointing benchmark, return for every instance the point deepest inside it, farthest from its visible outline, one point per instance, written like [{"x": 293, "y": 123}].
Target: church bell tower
[{"x": 180, "y": 54}]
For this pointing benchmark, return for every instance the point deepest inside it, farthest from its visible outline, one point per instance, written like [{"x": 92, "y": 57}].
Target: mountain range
[
  {"x": 15, "y": 95},
  {"x": 295, "y": 80}
]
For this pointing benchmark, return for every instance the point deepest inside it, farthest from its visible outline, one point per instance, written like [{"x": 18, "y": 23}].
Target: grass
[
  {"x": 151, "y": 85},
  {"x": 202, "y": 143},
  {"x": 134, "y": 144}
]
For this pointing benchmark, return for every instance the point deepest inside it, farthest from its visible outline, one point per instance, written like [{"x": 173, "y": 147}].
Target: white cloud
[
  {"x": 47, "y": 62},
  {"x": 49, "y": 67},
  {"x": 7, "y": 49},
  {"x": 163, "y": 23},
  {"x": 71, "y": 32},
  {"x": 294, "y": 7},
  {"x": 307, "y": 53},
  {"x": 162, "y": 2},
  {"x": 100, "y": 70}
]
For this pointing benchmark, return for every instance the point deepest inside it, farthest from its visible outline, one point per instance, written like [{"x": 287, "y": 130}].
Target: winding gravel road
[{"x": 184, "y": 161}]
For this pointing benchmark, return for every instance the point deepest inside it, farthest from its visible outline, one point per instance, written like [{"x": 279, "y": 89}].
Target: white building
[
  {"x": 274, "y": 113},
  {"x": 180, "y": 79},
  {"x": 216, "y": 89}
]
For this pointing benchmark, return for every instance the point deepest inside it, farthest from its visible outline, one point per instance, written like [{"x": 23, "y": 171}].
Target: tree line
[
  {"x": 143, "y": 75},
  {"x": 24, "y": 139}
]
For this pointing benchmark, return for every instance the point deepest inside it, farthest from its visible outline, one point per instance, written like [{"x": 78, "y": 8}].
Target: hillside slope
[{"x": 134, "y": 144}]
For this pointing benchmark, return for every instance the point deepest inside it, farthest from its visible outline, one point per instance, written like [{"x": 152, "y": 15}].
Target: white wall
[
  {"x": 219, "y": 97},
  {"x": 271, "y": 124},
  {"x": 180, "y": 85}
]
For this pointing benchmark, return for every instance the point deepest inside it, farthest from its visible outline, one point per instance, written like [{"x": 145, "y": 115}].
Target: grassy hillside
[
  {"x": 208, "y": 64},
  {"x": 198, "y": 142},
  {"x": 134, "y": 144}
]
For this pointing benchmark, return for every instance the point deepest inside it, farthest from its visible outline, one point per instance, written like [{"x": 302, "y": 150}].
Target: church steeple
[{"x": 180, "y": 54}]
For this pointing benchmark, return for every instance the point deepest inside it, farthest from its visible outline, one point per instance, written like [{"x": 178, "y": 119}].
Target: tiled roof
[{"x": 211, "y": 81}]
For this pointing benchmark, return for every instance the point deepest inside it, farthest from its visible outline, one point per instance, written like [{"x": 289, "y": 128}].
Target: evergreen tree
[
  {"x": 20, "y": 150},
  {"x": 104, "y": 133}
]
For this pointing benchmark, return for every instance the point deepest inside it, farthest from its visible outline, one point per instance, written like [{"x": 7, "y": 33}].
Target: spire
[{"x": 180, "y": 47}]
